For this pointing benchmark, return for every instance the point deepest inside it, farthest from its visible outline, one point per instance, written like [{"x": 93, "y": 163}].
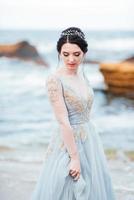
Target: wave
[
  {"x": 46, "y": 48},
  {"x": 113, "y": 44}
]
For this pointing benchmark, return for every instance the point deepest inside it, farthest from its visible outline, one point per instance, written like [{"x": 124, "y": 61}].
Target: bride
[{"x": 75, "y": 166}]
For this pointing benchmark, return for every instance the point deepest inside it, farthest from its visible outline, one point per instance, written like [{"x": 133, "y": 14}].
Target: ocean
[{"x": 25, "y": 113}]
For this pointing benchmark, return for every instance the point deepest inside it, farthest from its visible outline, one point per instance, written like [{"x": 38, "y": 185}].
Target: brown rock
[
  {"x": 130, "y": 59},
  {"x": 119, "y": 77},
  {"x": 22, "y": 50}
]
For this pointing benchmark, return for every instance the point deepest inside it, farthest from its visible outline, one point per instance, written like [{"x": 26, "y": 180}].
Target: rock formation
[
  {"x": 22, "y": 50},
  {"x": 119, "y": 77}
]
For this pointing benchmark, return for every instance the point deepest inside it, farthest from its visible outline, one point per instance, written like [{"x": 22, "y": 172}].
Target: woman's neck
[{"x": 67, "y": 72}]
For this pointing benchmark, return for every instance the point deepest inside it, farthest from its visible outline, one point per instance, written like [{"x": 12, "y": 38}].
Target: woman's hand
[{"x": 74, "y": 168}]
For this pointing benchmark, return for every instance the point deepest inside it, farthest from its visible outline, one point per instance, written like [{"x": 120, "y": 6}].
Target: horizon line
[{"x": 59, "y": 29}]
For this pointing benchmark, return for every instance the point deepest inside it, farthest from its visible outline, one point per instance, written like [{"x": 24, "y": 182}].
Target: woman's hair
[{"x": 72, "y": 35}]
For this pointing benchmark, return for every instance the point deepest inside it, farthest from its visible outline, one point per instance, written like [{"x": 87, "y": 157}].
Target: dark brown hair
[{"x": 73, "y": 35}]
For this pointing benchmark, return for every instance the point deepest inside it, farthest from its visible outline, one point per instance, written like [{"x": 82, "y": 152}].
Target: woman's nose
[{"x": 71, "y": 59}]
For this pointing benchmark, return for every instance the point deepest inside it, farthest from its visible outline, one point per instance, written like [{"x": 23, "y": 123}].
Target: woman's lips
[{"x": 71, "y": 64}]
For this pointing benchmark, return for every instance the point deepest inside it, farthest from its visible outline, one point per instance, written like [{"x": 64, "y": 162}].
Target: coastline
[
  {"x": 26, "y": 127},
  {"x": 18, "y": 178}
]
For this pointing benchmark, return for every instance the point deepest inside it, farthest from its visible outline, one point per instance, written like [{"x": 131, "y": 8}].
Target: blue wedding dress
[{"x": 54, "y": 181}]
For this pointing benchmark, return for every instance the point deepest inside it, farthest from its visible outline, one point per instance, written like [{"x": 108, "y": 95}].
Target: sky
[{"x": 57, "y": 14}]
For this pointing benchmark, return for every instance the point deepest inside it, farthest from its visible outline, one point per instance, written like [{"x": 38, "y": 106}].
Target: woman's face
[{"x": 72, "y": 55}]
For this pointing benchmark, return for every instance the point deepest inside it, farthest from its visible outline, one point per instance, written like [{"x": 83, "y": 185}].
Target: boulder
[
  {"x": 119, "y": 77},
  {"x": 22, "y": 50},
  {"x": 130, "y": 59}
]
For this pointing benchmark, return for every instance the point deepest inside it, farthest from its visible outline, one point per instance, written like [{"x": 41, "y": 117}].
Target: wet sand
[{"x": 18, "y": 179}]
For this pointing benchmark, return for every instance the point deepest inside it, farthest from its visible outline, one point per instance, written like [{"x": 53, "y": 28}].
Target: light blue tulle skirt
[{"x": 54, "y": 181}]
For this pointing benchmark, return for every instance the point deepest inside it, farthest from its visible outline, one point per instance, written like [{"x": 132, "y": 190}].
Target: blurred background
[{"x": 29, "y": 31}]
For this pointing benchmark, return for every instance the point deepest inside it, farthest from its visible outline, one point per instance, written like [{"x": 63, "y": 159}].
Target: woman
[{"x": 75, "y": 166}]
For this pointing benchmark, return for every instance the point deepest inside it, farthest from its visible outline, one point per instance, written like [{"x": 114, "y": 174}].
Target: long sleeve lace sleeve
[{"x": 55, "y": 94}]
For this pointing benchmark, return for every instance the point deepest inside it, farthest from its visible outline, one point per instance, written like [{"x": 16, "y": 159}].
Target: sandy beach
[{"x": 18, "y": 179}]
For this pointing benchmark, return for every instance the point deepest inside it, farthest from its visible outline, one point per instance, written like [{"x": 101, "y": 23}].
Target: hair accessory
[{"x": 73, "y": 32}]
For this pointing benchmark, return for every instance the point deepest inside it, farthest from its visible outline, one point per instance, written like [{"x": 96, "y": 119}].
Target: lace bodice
[
  {"x": 77, "y": 106},
  {"x": 70, "y": 108}
]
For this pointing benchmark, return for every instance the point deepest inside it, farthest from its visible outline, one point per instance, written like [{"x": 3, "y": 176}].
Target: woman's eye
[
  {"x": 65, "y": 54},
  {"x": 77, "y": 54}
]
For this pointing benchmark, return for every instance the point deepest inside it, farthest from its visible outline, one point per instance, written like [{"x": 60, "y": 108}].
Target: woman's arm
[
  {"x": 55, "y": 94},
  {"x": 54, "y": 90}
]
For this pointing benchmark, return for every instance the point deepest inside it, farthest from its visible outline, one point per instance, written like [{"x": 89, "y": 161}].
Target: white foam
[{"x": 116, "y": 44}]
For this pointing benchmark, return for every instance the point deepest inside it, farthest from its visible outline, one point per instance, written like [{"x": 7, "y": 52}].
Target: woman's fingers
[
  {"x": 73, "y": 171},
  {"x": 77, "y": 177},
  {"x": 75, "y": 174}
]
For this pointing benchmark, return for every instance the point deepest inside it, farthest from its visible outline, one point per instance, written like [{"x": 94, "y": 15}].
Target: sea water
[{"x": 26, "y": 119}]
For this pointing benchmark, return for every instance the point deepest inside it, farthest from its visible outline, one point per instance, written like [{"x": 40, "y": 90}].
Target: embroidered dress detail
[{"x": 73, "y": 111}]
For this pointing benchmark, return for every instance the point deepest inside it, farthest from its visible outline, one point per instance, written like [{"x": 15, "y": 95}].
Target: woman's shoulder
[
  {"x": 53, "y": 75},
  {"x": 53, "y": 80}
]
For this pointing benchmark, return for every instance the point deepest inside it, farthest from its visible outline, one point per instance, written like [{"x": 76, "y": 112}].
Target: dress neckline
[{"x": 85, "y": 99}]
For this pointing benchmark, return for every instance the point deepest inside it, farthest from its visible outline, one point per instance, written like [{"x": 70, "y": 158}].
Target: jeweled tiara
[{"x": 73, "y": 32}]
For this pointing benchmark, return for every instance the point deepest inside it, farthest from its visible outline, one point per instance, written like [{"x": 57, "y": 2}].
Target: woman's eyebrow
[{"x": 73, "y": 52}]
